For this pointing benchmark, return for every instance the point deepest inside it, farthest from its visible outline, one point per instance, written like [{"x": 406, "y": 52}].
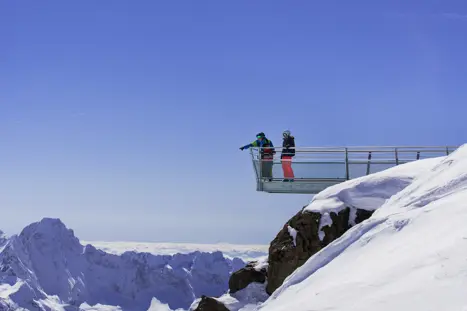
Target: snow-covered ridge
[
  {"x": 46, "y": 267},
  {"x": 410, "y": 255},
  {"x": 367, "y": 192},
  {"x": 244, "y": 252}
]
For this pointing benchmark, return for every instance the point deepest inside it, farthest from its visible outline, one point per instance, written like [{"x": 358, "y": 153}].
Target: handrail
[
  {"x": 398, "y": 150},
  {"x": 357, "y": 147},
  {"x": 367, "y": 149},
  {"x": 340, "y": 163}
]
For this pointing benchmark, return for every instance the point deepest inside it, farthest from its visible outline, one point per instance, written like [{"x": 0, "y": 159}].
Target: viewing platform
[{"x": 317, "y": 168}]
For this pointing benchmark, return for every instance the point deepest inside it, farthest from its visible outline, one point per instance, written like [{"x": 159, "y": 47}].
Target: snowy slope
[
  {"x": 244, "y": 252},
  {"x": 410, "y": 255},
  {"x": 46, "y": 266},
  {"x": 367, "y": 192}
]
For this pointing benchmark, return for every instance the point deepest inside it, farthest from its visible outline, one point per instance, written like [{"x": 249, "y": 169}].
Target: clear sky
[{"x": 124, "y": 118}]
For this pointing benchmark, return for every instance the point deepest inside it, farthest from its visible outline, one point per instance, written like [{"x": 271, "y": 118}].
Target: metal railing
[{"x": 320, "y": 164}]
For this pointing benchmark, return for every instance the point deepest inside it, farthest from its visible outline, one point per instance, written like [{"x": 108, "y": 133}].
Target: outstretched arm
[{"x": 253, "y": 144}]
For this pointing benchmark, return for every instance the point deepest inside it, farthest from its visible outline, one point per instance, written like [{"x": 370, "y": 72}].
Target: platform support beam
[{"x": 347, "y": 172}]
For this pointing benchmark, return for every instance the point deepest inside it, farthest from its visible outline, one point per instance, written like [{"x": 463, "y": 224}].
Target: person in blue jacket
[{"x": 267, "y": 154}]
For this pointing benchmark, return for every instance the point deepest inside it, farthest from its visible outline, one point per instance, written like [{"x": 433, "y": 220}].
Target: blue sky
[{"x": 124, "y": 118}]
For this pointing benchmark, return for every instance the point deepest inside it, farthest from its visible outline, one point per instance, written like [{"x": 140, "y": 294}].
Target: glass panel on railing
[
  {"x": 323, "y": 170},
  {"x": 301, "y": 170},
  {"x": 359, "y": 170},
  {"x": 375, "y": 168},
  {"x": 256, "y": 167}
]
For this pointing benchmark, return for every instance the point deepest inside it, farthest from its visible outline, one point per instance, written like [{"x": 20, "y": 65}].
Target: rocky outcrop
[
  {"x": 301, "y": 237},
  {"x": 284, "y": 257},
  {"x": 287, "y": 253},
  {"x": 246, "y": 286},
  {"x": 210, "y": 304},
  {"x": 247, "y": 275}
]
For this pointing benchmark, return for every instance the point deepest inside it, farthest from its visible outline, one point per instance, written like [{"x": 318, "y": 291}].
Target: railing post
[
  {"x": 368, "y": 165},
  {"x": 259, "y": 185},
  {"x": 347, "y": 174},
  {"x": 260, "y": 162}
]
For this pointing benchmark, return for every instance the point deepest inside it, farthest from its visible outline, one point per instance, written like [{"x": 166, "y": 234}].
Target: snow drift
[
  {"x": 366, "y": 192},
  {"x": 46, "y": 268},
  {"x": 411, "y": 254}
]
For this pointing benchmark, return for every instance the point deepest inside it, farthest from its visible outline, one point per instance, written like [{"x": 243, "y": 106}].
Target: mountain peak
[
  {"x": 50, "y": 231},
  {"x": 45, "y": 225}
]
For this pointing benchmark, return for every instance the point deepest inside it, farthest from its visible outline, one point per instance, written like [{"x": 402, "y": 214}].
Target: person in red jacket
[{"x": 288, "y": 152}]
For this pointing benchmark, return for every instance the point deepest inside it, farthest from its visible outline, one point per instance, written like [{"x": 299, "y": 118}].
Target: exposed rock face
[
  {"x": 245, "y": 276},
  {"x": 285, "y": 257},
  {"x": 363, "y": 215},
  {"x": 210, "y": 304}
]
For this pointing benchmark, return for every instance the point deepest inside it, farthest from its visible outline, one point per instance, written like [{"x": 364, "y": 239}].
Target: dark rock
[
  {"x": 210, "y": 304},
  {"x": 285, "y": 257},
  {"x": 245, "y": 276},
  {"x": 362, "y": 215},
  {"x": 340, "y": 224}
]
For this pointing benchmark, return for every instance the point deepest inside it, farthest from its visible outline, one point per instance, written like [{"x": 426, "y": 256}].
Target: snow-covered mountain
[
  {"x": 46, "y": 267},
  {"x": 393, "y": 240},
  {"x": 411, "y": 254}
]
